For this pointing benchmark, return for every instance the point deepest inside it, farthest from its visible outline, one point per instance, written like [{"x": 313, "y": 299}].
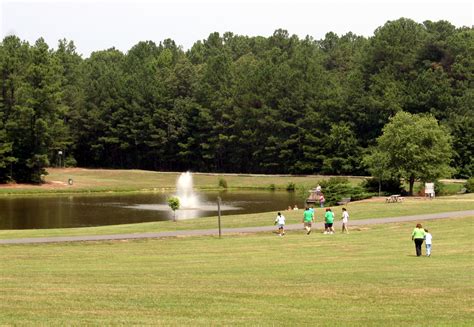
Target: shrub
[
  {"x": 222, "y": 182},
  {"x": 335, "y": 180},
  {"x": 439, "y": 188},
  {"x": 272, "y": 187},
  {"x": 337, "y": 188},
  {"x": 291, "y": 187},
  {"x": 70, "y": 162},
  {"x": 469, "y": 185}
]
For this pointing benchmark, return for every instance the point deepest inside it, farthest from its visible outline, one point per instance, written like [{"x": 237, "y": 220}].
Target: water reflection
[{"x": 84, "y": 210}]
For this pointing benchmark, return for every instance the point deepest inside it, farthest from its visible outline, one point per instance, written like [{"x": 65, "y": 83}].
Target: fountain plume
[{"x": 187, "y": 198}]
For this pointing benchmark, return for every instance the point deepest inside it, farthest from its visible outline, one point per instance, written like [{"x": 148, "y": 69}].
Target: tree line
[{"x": 233, "y": 103}]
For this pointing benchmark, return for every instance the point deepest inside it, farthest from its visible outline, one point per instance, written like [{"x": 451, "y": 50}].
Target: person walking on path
[
  {"x": 280, "y": 221},
  {"x": 308, "y": 218},
  {"x": 418, "y": 236},
  {"x": 428, "y": 239},
  {"x": 329, "y": 220},
  {"x": 345, "y": 220}
]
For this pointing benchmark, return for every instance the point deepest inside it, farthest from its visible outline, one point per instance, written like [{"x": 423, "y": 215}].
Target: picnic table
[{"x": 394, "y": 198}]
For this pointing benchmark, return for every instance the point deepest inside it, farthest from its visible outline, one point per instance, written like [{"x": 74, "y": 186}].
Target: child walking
[
  {"x": 280, "y": 221},
  {"x": 345, "y": 219},
  {"x": 428, "y": 239}
]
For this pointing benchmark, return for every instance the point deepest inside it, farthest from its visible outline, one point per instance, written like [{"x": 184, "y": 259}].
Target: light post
[{"x": 60, "y": 153}]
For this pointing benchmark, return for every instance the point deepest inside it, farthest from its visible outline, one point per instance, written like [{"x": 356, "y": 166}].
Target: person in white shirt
[
  {"x": 318, "y": 189},
  {"x": 345, "y": 220},
  {"x": 428, "y": 239},
  {"x": 280, "y": 221}
]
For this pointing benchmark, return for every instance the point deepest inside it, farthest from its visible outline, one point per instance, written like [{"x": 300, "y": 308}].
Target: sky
[{"x": 102, "y": 24}]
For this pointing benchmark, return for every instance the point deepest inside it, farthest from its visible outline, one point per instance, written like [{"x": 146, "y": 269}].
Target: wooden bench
[{"x": 344, "y": 201}]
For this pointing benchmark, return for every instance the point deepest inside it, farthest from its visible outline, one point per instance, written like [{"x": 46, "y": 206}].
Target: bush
[
  {"x": 337, "y": 188},
  {"x": 334, "y": 180},
  {"x": 439, "y": 188},
  {"x": 222, "y": 182},
  {"x": 70, "y": 162},
  {"x": 291, "y": 187},
  {"x": 469, "y": 185},
  {"x": 272, "y": 187}
]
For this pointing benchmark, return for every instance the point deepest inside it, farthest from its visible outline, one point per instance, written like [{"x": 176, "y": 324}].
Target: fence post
[{"x": 219, "y": 214}]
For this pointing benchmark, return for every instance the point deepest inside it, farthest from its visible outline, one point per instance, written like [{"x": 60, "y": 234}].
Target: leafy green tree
[
  {"x": 14, "y": 60},
  {"x": 342, "y": 151},
  {"x": 378, "y": 166},
  {"x": 100, "y": 124},
  {"x": 72, "y": 97},
  {"x": 233, "y": 103},
  {"x": 462, "y": 129},
  {"x": 6, "y": 158},
  {"x": 415, "y": 147},
  {"x": 173, "y": 203},
  {"x": 36, "y": 125}
]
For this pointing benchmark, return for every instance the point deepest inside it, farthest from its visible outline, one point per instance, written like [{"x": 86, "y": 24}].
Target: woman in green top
[{"x": 418, "y": 235}]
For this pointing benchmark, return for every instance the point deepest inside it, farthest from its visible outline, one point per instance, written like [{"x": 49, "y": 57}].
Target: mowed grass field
[
  {"x": 370, "y": 277},
  {"x": 373, "y": 208}
]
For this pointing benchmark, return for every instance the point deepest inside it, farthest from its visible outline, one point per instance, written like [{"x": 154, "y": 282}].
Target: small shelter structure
[{"x": 313, "y": 196}]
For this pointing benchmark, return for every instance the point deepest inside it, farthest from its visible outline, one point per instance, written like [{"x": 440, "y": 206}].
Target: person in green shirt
[
  {"x": 308, "y": 218},
  {"x": 418, "y": 236},
  {"x": 329, "y": 220}
]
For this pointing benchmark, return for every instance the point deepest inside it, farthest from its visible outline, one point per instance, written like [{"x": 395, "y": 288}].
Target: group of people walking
[
  {"x": 309, "y": 219},
  {"x": 418, "y": 236}
]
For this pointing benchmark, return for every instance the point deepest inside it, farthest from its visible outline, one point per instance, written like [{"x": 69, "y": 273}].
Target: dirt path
[{"x": 242, "y": 230}]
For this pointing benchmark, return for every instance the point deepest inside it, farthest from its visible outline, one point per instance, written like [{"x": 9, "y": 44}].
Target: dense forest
[{"x": 233, "y": 103}]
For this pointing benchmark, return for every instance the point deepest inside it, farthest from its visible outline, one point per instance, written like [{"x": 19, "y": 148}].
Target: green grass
[
  {"x": 451, "y": 188},
  {"x": 367, "y": 278},
  {"x": 376, "y": 208},
  {"x": 108, "y": 180}
]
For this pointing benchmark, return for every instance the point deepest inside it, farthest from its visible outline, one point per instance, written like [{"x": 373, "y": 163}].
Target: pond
[{"x": 98, "y": 210}]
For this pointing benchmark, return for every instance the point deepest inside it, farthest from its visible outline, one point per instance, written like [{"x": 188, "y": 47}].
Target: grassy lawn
[
  {"x": 367, "y": 278},
  {"x": 108, "y": 180},
  {"x": 375, "y": 208},
  {"x": 88, "y": 180}
]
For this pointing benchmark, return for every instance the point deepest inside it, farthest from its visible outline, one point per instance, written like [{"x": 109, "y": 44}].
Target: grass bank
[
  {"x": 107, "y": 180},
  {"x": 374, "y": 208},
  {"x": 367, "y": 278}
]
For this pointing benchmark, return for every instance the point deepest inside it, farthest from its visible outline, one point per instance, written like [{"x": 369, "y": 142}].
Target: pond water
[{"x": 93, "y": 210}]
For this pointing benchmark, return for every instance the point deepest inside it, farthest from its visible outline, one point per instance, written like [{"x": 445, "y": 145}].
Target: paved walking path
[{"x": 207, "y": 232}]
